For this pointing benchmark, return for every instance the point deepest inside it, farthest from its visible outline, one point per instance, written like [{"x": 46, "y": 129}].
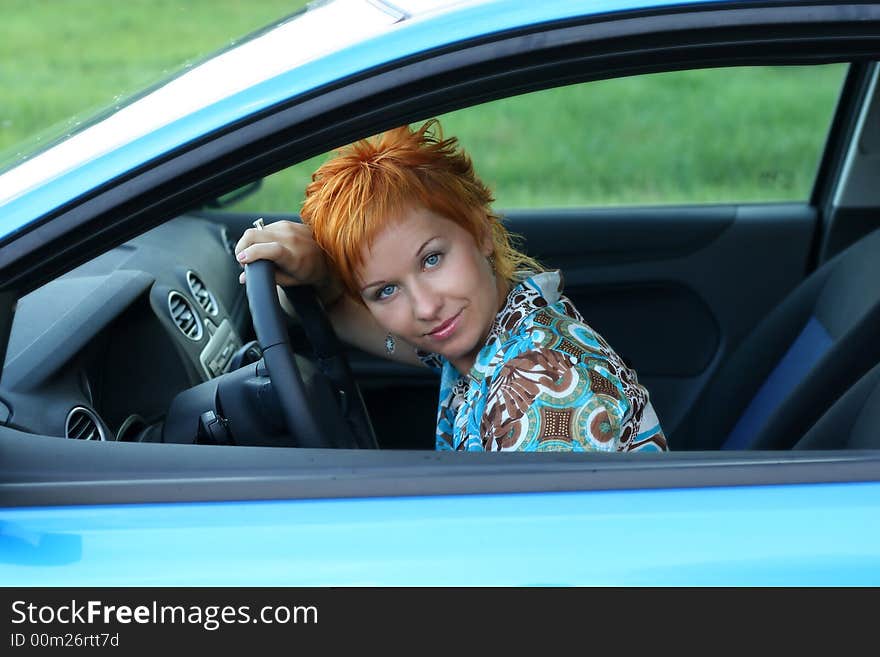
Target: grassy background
[
  {"x": 61, "y": 59},
  {"x": 725, "y": 135},
  {"x": 715, "y": 135}
]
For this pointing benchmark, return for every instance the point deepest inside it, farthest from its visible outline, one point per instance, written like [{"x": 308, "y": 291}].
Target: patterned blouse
[{"x": 544, "y": 381}]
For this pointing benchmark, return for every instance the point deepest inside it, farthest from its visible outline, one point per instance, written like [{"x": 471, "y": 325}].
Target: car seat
[
  {"x": 804, "y": 355},
  {"x": 853, "y": 422}
]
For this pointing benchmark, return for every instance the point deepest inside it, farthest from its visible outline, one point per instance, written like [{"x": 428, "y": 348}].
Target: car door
[{"x": 91, "y": 513}]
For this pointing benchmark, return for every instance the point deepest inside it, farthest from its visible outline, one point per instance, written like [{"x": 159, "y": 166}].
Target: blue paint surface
[{"x": 823, "y": 534}]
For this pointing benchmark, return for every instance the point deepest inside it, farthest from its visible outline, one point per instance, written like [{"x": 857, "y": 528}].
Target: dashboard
[{"x": 101, "y": 352}]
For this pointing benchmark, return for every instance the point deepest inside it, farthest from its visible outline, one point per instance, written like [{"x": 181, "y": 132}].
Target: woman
[{"x": 412, "y": 264}]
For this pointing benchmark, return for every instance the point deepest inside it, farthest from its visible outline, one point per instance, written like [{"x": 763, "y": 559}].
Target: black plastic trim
[
  {"x": 130, "y": 473},
  {"x": 846, "y": 115},
  {"x": 664, "y": 232},
  {"x": 843, "y": 125}
]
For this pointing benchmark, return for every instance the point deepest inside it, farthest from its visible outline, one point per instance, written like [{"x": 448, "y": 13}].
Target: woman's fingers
[
  {"x": 290, "y": 246},
  {"x": 251, "y": 236},
  {"x": 264, "y": 251},
  {"x": 285, "y": 268}
]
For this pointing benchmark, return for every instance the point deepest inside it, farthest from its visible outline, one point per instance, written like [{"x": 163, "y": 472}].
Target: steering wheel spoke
[{"x": 307, "y": 419}]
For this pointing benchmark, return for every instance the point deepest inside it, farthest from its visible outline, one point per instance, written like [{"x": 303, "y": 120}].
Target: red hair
[{"x": 354, "y": 196}]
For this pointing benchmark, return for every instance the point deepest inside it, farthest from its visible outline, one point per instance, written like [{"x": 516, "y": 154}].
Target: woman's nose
[{"x": 426, "y": 301}]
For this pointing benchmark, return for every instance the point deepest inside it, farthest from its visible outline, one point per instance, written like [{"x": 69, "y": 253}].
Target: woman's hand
[{"x": 298, "y": 258}]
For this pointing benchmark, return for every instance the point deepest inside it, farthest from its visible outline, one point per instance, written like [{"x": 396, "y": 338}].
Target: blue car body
[
  {"x": 796, "y": 535},
  {"x": 780, "y": 525}
]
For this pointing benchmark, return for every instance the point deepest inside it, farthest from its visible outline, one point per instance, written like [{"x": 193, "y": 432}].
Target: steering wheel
[{"x": 301, "y": 414}]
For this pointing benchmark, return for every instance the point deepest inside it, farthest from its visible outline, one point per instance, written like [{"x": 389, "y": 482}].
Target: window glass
[
  {"x": 62, "y": 63},
  {"x": 727, "y": 135}
]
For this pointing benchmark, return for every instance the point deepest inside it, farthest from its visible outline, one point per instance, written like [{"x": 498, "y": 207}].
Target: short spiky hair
[{"x": 354, "y": 195}]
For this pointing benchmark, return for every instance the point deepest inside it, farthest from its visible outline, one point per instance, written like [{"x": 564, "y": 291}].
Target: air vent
[
  {"x": 184, "y": 315},
  {"x": 201, "y": 293},
  {"x": 83, "y": 424}
]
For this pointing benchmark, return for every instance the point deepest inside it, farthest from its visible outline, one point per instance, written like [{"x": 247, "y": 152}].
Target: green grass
[
  {"x": 715, "y": 136},
  {"x": 722, "y": 135},
  {"x": 712, "y": 135},
  {"x": 61, "y": 59}
]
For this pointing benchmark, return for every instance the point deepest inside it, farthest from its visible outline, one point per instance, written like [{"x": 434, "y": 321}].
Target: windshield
[
  {"x": 81, "y": 70},
  {"x": 64, "y": 71}
]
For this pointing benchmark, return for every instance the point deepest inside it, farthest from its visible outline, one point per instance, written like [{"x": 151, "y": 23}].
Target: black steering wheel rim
[{"x": 270, "y": 325}]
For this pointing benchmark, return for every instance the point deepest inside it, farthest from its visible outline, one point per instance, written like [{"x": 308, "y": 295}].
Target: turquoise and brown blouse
[{"x": 544, "y": 381}]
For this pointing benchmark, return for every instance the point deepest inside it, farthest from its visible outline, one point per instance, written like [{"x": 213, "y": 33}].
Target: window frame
[{"x": 427, "y": 84}]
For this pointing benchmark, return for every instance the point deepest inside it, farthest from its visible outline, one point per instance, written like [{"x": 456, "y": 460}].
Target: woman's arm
[
  {"x": 300, "y": 261},
  {"x": 545, "y": 397},
  {"x": 355, "y": 325}
]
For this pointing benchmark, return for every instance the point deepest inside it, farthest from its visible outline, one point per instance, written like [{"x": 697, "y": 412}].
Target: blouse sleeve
[{"x": 549, "y": 400}]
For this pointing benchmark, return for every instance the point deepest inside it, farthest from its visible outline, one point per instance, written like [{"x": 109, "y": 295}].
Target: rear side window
[{"x": 725, "y": 135}]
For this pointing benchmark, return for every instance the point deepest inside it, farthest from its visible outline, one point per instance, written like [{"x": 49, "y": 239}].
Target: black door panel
[
  {"x": 621, "y": 235},
  {"x": 670, "y": 312},
  {"x": 673, "y": 289}
]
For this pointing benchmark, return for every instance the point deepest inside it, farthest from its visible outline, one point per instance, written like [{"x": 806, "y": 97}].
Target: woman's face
[{"x": 426, "y": 280}]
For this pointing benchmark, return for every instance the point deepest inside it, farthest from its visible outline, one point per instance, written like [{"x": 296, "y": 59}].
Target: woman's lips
[{"x": 446, "y": 329}]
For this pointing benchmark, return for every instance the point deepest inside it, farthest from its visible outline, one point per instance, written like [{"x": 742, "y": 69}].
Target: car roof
[{"x": 328, "y": 42}]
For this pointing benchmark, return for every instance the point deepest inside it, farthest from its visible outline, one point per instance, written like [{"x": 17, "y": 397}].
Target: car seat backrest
[
  {"x": 805, "y": 352},
  {"x": 804, "y": 355},
  {"x": 836, "y": 371},
  {"x": 853, "y": 422}
]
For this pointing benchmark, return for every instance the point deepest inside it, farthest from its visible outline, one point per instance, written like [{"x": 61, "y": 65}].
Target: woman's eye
[
  {"x": 385, "y": 292},
  {"x": 432, "y": 260}
]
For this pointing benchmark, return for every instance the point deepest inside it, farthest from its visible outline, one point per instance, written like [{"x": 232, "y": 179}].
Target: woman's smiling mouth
[{"x": 446, "y": 328}]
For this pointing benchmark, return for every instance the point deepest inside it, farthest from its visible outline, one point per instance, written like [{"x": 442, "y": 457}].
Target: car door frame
[{"x": 599, "y": 46}]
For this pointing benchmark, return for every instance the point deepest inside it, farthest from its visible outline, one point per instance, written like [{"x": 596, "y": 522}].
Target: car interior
[
  {"x": 753, "y": 326},
  {"x": 115, "y": 349}
]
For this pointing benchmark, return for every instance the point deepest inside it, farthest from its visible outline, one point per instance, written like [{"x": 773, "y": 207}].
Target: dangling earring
[
  {"x": 389, "y": 344},
  {"x": 491, "y": 259}
]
